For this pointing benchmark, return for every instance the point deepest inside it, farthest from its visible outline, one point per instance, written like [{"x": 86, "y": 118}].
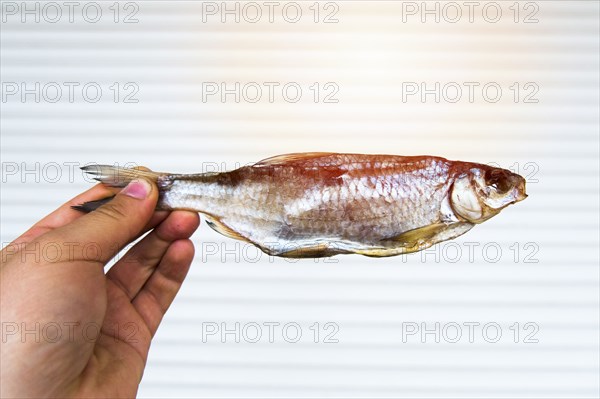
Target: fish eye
[{"x": 498, "y": 180}]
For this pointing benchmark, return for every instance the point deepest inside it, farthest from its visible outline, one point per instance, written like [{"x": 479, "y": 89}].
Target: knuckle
[{"x": 113, "y": 210}]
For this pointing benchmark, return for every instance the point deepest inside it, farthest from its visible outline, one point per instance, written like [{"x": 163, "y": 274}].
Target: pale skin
[{"x": 68, "y": 287}]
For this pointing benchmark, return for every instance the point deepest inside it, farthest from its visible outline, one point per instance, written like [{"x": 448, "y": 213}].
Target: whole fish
[{"x": 323, "y": 204}]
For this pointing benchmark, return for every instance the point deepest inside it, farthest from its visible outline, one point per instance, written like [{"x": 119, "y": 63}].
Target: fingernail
[{"x": 138, "y": 189}]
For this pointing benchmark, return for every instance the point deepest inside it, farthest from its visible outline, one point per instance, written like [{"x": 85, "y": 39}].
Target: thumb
[{"x": 101, "y": 234}]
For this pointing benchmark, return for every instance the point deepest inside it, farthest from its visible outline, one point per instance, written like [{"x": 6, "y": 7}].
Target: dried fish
[{"x": 323, "y": 204}]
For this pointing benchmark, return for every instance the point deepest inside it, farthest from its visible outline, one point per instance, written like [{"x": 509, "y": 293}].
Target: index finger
[
  {"x": 65, "y": 214},
  {"x": 62, "y": 215}
]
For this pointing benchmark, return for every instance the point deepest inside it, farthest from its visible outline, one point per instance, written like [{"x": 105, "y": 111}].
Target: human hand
[{"x": 68, "y": 328}]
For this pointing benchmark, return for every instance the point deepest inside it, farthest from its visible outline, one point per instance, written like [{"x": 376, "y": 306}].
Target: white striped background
[{"x": 368, "y": 54}]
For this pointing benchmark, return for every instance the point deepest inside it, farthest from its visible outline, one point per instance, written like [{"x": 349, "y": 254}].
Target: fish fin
[
  {"x": 116, "y": 176},
  {"x": 381, "y": 252},
  {"x": 414, "y": 236},
  {"x": 89, "y": 206},
  {"x": 328, "y": 175},
  {"x": 225, "y": 230},
  {"x": 321, "y": 250},
  {"x": 424, "y": 237},
  {"x": 299, "y": 156}
]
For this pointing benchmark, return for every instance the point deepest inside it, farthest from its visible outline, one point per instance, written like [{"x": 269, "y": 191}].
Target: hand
[{"x": 69, "y": 329}]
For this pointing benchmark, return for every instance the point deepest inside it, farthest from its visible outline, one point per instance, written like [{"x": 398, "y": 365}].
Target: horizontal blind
[{"x": 510, "y": 309}]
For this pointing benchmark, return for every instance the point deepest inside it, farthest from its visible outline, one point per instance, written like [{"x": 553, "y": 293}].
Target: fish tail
[
  {"x": 114, "y": 176},
  {"x": 89, "y": 206}
]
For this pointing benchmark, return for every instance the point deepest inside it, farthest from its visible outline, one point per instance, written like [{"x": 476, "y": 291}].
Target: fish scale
[{"x": 323, "y": 204}]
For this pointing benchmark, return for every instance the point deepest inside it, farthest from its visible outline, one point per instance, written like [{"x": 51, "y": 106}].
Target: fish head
[{"x": 482, "y": 191}]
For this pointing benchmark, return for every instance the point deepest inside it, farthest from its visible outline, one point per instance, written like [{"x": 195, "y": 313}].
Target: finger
[
  {"x": 65, "y": 213},
  {"x": 158, "y": 293},
  {"x": 132, "y": 271},
  {"x": 15, "y": 248},
  {"x": 110, "y": 227}
]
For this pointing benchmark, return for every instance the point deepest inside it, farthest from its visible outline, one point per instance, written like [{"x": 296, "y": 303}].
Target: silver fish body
[{"x": 322, "y": 204}]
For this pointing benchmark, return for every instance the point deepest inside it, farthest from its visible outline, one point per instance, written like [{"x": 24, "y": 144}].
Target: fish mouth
[
  {"x": 520, "y": 193},
  {"x": 520, "y": 196}
]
